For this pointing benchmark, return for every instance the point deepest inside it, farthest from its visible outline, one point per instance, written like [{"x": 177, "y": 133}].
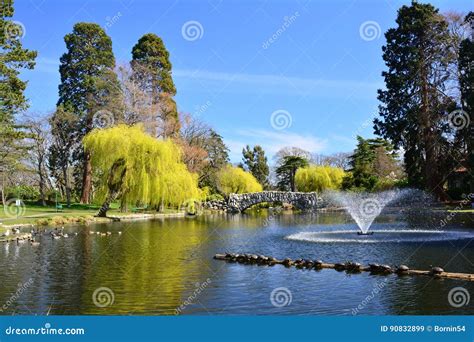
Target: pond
[{"x": 165, "y": 267}]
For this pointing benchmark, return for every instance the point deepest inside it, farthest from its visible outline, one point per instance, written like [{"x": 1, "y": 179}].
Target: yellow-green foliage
[
  {"x": 318, "y": 178},
  {"x": 235, "y": 180},
  {"x": 154, "y": 172}
]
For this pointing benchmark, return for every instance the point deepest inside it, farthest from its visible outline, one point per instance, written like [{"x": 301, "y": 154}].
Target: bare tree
[
  {"x": 141, "y": 107},
  {"x": 39, "y": 140}
]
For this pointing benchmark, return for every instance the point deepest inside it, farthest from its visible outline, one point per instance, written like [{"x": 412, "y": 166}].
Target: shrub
[{"x": 25, "y": 192}]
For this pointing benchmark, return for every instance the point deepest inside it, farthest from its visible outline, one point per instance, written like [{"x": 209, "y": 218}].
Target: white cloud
[
  {"x": 266, "y": 80},
  {"x": 272, "y": 142},
  {"x": 48, "y": 65}
]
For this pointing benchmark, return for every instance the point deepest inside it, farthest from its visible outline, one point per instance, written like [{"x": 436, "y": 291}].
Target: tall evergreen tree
[
  {"x": 413, "y": 103},
  {"x": 152, "y": 72},
  {"x": 466, "y": 71},
  {"x": 217, "y": 158},
  {"x": 256, "y": 162},
  {"x": 372, "y": 160},
  {"x": 286, "y": 171},
  {"x": 13, "y": 58},
  {"x": 89, "y": 87}
]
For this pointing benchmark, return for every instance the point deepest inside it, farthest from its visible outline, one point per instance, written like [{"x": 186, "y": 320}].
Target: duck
[
  {"x": 34, "y": 243},
  {"x": 55, "y": 237},
  {"x": 7, "y": 233},
  {"x": 65, "y": 235},
  {"x": 18, "y": 240}
]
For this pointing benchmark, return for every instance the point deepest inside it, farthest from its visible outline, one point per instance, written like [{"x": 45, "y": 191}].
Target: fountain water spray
[{"x": 365, "y": 207}]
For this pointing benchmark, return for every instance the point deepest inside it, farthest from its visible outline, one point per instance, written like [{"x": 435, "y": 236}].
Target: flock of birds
[{"x": 56, "y": 234}]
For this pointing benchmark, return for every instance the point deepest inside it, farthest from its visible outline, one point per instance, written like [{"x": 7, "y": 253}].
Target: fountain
[{"x": 365, "y": 207}]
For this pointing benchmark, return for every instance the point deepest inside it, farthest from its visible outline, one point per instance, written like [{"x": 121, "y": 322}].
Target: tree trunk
[
  {"x": 106, "y": 205},
  {"x": 432, "y": 181},
  {"x": 292, "y": 180},
  {"x": 66, "y": 185},
  {"x": 3, "y": 190},
  {"x": 471, "y": 156},
  {"x": 41, "y": 182},
  {"x": 115, "y": 184},
  {"x": 86, "y": 179}
]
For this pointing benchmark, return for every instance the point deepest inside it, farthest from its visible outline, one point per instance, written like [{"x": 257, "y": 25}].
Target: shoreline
[
  {"x": 74, "y": 220},
  {"x": 61, "y": 220}
]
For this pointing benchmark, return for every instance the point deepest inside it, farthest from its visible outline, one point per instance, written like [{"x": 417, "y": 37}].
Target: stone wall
[{"x": 240, "y": 202}]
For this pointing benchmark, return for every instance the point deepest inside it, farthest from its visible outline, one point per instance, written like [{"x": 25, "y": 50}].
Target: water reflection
[{"x": 154, "y": 267}]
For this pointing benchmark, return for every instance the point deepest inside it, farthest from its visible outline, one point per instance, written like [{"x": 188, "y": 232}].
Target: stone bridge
[{"x": 300, "y": 200}]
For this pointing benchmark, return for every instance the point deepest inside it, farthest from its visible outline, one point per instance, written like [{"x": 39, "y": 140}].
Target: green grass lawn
[
  {"x": 462, "y": 211},
  {"x": 34, "y": 213}
]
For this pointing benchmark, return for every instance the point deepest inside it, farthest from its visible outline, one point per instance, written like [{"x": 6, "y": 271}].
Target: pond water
[{"x": 165, "y": 267}]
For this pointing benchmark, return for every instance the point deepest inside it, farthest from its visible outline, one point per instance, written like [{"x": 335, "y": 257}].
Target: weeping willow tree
[
  {"x": 137, "y": 168},
  {"x": 318, "y": 178},
  {"x": 235, "y": 180}
]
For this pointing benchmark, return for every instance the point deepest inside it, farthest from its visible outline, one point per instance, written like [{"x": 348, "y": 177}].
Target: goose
[
  {"x": 55, "y": 237},
  {"x": 18, "y": 240},
  {"x": 7, "y": 233},
  {"x": 65, "y": 235},
  {"x": 109, "y": 233},
  {"x": 34, "y": 243}
]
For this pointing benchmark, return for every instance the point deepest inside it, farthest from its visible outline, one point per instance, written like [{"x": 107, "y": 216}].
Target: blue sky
[{"x": 314, "y": 65}]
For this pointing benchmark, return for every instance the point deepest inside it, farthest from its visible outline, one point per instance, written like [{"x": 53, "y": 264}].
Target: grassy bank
[{"x": 76, "y": 213}]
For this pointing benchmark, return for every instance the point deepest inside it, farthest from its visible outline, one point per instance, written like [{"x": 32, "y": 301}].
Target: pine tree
[
  {"x": 13, "y": 59},
  {"x": 89, "y": 87},
  {"x": 256, "y": 162},
  {"x": 414, "y": 103},
  {"x": 466, "y": 71},
  {"x": 286, "y": 171}
]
